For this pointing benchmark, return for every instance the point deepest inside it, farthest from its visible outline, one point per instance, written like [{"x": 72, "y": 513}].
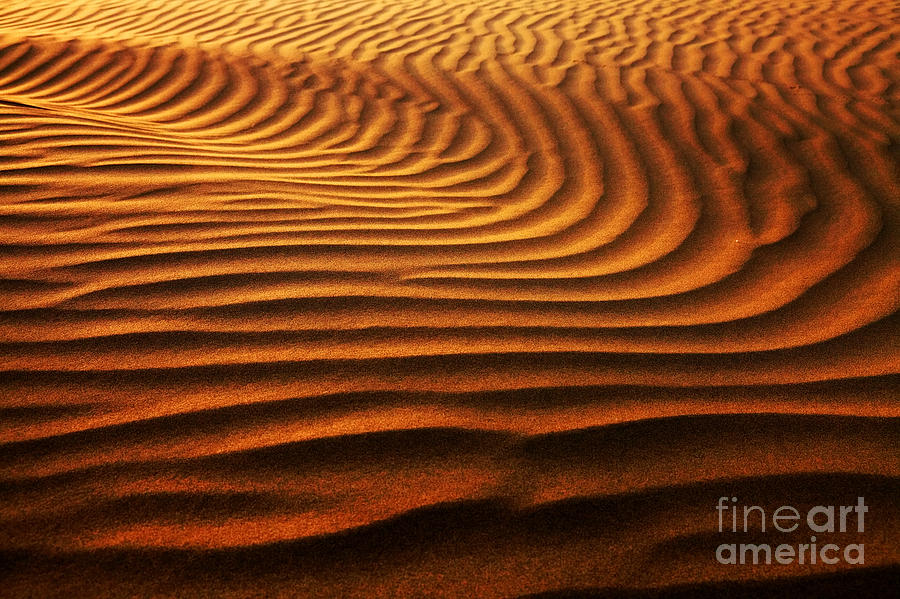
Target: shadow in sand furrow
[
  {"x": 798, "y": 322},
  {"x": 362, "y": 451},
  {"x": 184, "y": 508},
  {"x": 21, "y": 286},
  {"x": 177, "y": 348},
  {"x": 868, "y": 582},
  {"x": 837, "y": 358},
  {"x": 19, "y": 104},
  {"x": 357, "y": 312},
  {"x": 233, "y": 447},
  {"x": 616, "y": 444},
  {"x": 490, "y": 544},
  {"x": 25, "y": 415},
  {"x": 171, "y": 293},
  {"x": 848, "y": 396}
]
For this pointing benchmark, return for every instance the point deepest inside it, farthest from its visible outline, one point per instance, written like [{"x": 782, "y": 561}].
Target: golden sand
[{"x": 442, "y": 298}]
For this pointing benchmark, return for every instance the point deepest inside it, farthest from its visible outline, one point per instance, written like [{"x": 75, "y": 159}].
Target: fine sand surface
[{"x": 444, "y": 298}]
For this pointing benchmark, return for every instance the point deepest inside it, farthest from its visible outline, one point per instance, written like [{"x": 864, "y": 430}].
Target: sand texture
[{"x": 443, "y": 298}]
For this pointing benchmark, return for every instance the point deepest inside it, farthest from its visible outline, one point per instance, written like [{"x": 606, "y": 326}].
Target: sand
[{"x": 320, "y": 298}]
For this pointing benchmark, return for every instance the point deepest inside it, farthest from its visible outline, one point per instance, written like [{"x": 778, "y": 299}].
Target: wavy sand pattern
[{"x": 442, "y": 298}]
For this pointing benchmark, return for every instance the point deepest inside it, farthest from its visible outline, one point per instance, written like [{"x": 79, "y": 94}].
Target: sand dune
[{"x": 461, "y": 299}]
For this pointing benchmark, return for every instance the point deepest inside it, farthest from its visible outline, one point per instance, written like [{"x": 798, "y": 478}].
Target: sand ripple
[{"x": 280, "y": 280}]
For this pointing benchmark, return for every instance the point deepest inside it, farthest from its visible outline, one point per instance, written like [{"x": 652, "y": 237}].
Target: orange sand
[{"x": 320, "y": 298}]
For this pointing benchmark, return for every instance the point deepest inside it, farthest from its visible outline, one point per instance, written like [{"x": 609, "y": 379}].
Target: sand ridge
[{"x": 285, "y": 279}]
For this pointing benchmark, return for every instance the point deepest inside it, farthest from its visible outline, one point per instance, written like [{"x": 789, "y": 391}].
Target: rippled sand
[{"x": 442, "y": 298}]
